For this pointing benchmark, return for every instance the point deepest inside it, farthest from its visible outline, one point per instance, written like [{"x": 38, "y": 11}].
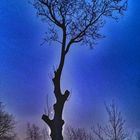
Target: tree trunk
[{"x": 56, "y": 124}]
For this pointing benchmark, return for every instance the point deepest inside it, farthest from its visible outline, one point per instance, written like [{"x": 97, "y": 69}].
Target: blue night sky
[{"x": 110, "y": 71}]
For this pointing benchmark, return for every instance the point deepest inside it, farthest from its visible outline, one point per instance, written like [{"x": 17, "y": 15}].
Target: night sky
[{"x": 110, "y": 71}]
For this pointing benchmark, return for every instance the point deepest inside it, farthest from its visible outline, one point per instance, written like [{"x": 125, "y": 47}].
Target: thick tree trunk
[{"x": 56, "y": 124}]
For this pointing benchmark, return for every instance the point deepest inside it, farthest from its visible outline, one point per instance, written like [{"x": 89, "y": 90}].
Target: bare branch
[
  {"x": 115, "y": 128},
  {"x": 81, "y": 19},
  {"x": 7, "y": 123}
]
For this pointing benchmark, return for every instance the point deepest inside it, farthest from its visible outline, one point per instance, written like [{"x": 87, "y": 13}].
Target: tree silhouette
[
  {"x": 7, "y": 124},
  {"x": 45, "y": 134},
  {"x": 79, "y": 21},
  {"x": 78, "y": 134},
  {"x": 115, "y": 128},
  {"x": 34, "y": 132}
]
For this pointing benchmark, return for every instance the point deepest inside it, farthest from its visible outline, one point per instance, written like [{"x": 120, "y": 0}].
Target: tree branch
[
  {"x": 51, "y": 13},
  {"x": 47, "y": 119}
]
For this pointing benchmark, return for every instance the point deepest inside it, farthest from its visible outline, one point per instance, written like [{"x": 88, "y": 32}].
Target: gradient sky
[{"x": 110, "y": 71}]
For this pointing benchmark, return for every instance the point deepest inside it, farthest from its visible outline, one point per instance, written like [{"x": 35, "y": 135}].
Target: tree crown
[{"x": 80, "y": 20}]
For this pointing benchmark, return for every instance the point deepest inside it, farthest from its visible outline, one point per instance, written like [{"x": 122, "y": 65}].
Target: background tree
[
  {"x": 79, "y": 21},
  {"x": 77, "y": 134},
  {"x": 33, "y": 132},
  {"x": 45, "y": 134},
  {"x": 115, "y": 129},
  {"x": 7, "y": 124}
]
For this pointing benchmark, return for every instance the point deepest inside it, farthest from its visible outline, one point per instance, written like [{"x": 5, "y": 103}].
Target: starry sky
[{"x": 111, "y": 71}]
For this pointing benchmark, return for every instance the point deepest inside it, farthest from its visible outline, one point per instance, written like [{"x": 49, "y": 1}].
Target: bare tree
[
  {"x": 45, "y": 134},
  {"x": 79, "y": 22},
  {"x": 7, "y": 124},
  {"x": 33, "y": 132},
  {"x": 115, "y": 129},
  {"x": 77, "y": 134}
]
